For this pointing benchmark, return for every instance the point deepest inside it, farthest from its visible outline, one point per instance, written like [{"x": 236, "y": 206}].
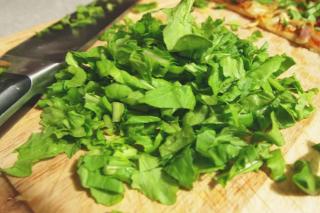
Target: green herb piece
[
  {"x": 175, "y": 96},
  {"x": 141, "y": 8},
  {"x": 234, "y": 26},
  {"x": 182, "y": 169},
  {"x": 276, "y": 164},
  {"x": 219, "y": 6},
  {"x": 153, "y": 182},
  {"x": 255, "y": 36},
  {"x": 106, "y": 189},
  {"x": 201, "y": 3},
  {"x": 178, "y": 34},
  {"x": 117, "y": 111},
  {"x": 305, "y": 179},
  {"x": 84, "y": 15},
  {"x": 39, "y": 147},
  {"x": 247, "y": 160}
]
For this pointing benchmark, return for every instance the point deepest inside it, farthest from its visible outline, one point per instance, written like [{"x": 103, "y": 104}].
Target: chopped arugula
[
  {"x": 276, "y": 164},
  {"x": 220, "y": 6},
  {"x": 201, "y": 3},
  {"x": 161, "y": 104},
  {"x": 305, "y": 179},
  {"x": 84, "y": 15}
]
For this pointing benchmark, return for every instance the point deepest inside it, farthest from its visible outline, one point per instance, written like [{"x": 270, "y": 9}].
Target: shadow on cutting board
[{"x": 287, "y": 187}]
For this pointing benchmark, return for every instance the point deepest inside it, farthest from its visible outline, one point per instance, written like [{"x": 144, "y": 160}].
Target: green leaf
[
  {"x": 179, "y": 23},
  {"x": 201, "y": 3},
  {"x": 117, "y": 91},
  {"x": 274, "y": 136},
  {"x": 232, "y": 67},
  {"x": 248, "y": 160},
  {"x": 105, "y": 189},
  {"x": 277, "y": 165},
  {"x": 181, "y": 169},
  {"x": 105, "y": 198},
  {"x": 272, "y": 67},
  {"x": 117, "y": 111},
  {"x": 196, "y": 117},
  {"x": 175, "y": 96},
  {"x": 191, "y": 42},
  {"x": 177, "y": 141},
  {"x": 78, "y": 79},
  {"x": 305, "y": 179},
  {"x": 107, "y": 68},
  {"x": 142, "y": 119},
  {"x": 39, "y": 147},
  {"x": 153, "y": 182},
  {"x": 219, "y": 148}
]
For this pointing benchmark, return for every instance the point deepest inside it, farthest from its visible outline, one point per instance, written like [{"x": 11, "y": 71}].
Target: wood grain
[
  {"x": 54, "y": 187},
  {"x": 9, "y": 199}
]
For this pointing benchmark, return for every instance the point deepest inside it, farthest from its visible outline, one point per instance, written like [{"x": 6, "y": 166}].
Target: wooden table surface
[{"x": 54, "y": 187}]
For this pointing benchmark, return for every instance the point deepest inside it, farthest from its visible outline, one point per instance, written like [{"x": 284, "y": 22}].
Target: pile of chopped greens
[{"x": 161, "y": 104}]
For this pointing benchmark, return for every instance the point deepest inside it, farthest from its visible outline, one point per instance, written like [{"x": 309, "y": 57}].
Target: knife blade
[{"x": 34, "y": 62}]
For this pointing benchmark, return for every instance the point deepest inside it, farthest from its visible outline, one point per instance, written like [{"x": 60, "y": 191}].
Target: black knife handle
[{"x": 12, "y": 88}]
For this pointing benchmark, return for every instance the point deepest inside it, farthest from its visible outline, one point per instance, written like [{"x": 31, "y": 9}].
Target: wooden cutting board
[{"x": 54, "y": 186}]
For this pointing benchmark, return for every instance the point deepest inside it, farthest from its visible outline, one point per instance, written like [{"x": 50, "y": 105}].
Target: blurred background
[{"x": 19, "y": 15}]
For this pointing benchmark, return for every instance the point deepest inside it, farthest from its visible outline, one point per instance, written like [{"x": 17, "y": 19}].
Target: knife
[{"x": 34, "y": 62}]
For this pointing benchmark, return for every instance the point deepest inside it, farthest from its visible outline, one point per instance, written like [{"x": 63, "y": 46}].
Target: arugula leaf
[
  {"x": 274, "y": 136},
  {"x": 177, "y": 141},
  {"x": 255, "y": 36},
  {"x": 181, "y": 168},
  {"x": 178, "y": 34},
  {"x": 201, "y": 3},
  {"x": 153, "y": 182},
  {"x": 272, "y": 67},
  {"x": 219, "y": 148},
  {"x": 78, "y": 79},
  {"x": 179, "y": 23},
  {"x": 276, "y": 165},
  {"x": 247, "y": 160},
  {"x": 105, "y": 189},
  {"x": 304, "y": 178},
  {"x": 175, "y": 96},
  {"x": 39, "y": 147},
  {"x": 196, "y": 117}
]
